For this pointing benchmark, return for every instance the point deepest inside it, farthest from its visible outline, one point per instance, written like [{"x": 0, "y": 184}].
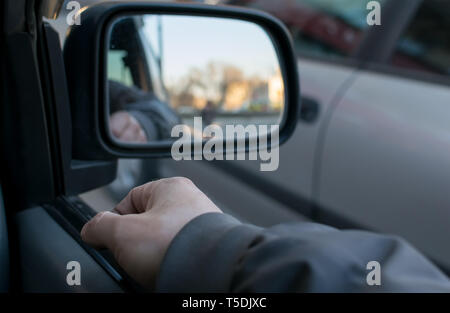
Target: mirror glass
[{"x": 168, "y": 70}]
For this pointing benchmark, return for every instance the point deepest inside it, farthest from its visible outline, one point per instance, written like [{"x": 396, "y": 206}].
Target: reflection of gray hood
[{"x": 156, "y": 117}]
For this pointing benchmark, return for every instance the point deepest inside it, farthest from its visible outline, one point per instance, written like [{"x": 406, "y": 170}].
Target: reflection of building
[
  {"x": 236, "y": 95},
  {"x": 255, "y": 95},
  {"x": 199, "y": 103},
  {"x": 233, "y": 94},
  {"x": 276, "y": 91}
]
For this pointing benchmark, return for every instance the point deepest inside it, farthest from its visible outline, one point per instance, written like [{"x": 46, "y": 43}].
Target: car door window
[
  {"x": 117, "y": 69},
  {"x": 425, "y": 45}
]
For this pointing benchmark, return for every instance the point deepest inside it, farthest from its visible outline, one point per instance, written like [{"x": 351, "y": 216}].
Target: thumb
[{"x": 100, "y": 231}]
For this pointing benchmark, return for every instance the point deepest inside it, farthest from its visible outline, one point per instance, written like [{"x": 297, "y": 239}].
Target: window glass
[
  {"x": 425, "y": 46},
  {"x": 151, "y": 38},
  {"x": 117, "y": 70},
  {"x": 319, "y": 27}
]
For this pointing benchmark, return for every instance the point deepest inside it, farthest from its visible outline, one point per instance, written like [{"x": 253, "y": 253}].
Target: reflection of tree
[
  {"x": 225, "y": 85},
  {"x": 182, "y": 94}
]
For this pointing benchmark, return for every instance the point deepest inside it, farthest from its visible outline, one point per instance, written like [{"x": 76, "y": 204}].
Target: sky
[{"x": 195, "y": 41}]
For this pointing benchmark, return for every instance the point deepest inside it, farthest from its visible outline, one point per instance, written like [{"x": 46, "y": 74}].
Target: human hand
[
  {"x": 144, "y": 224},
  {"x": 126, "y": 128}
]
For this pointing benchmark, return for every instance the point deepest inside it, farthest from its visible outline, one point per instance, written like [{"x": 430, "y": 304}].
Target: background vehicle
[
  {"x": 377, "y": 154},
  {"x": 371, "y": 148}
]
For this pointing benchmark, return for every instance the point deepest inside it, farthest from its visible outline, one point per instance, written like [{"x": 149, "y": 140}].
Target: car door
[
  {"x": 385, "y": 164},
  {"x": 42, "y": 244}
]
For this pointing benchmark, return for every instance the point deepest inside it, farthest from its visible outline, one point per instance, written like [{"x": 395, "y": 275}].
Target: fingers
[
  {"x": 101, "y": 231},
  {"x": 133, "y": 132},
  {"x": 136, "y": 200},
  {"x": 126, "y": 128},
  {"x": 118, "y": 123}
]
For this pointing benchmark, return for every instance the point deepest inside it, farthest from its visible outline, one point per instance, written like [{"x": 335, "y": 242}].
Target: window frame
[
  {"x": 383, "y": 65},
  {"x": 373, "y": 57},
  {"x": 368, "y": 50}
]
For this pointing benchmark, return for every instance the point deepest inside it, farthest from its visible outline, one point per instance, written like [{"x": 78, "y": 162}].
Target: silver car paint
[{"x": 386, "y": 160}]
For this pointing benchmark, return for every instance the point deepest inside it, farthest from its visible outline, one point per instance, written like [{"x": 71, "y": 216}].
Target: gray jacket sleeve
[{"x": 217, "y": 253}]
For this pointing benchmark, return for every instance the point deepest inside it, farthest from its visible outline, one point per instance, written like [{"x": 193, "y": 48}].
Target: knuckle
[
  {"x": 181, "y": 180},
  {"x": 117, "y": 230},
  {"x": 135, "y": 126},
  {"x": 86, "y": 230},
  {"x": 133, "y": 193},
  {"x": 93, "y": 222},
  {"x": 142, "y": 136}
]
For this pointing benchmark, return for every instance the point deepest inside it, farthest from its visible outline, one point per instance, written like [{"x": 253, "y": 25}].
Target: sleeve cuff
[{"x": 202, "y": 256}]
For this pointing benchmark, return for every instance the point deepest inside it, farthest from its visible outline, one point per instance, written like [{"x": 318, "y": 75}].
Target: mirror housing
[{"x": 85, "y": 62}]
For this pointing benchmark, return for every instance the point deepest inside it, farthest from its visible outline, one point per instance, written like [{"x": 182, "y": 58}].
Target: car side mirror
[{"x": 159, "y": 80}]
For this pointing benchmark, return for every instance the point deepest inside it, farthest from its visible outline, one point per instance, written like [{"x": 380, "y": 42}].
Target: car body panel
[
  {"x": 321, "y": 82},
  {"x": 386, "y": 160}
]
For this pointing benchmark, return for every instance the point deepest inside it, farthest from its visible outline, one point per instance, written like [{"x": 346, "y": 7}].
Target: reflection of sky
[{"x": 196, "y": 41}]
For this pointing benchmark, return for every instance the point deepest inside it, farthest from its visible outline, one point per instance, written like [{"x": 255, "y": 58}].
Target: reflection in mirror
[{"x": 167, "y": 70}]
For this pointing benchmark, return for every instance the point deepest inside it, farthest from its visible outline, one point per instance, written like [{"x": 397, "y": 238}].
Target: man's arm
[
  {"x": 170, "y": 237},
  {"x": 217, "y": 253}
]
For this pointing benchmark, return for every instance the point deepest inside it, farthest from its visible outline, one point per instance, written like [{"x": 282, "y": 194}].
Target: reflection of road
[
  {"x": 196, "y": 131},
  {"x": 269, "y": 119}
]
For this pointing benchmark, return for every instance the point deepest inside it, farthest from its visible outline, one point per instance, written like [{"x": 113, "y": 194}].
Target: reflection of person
[
  {"x": 125, "y": 127},
  {"x": 168, "y": 235},
  {"x": 208, "y": 113},
  {"x": 138, "y": 116}
]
